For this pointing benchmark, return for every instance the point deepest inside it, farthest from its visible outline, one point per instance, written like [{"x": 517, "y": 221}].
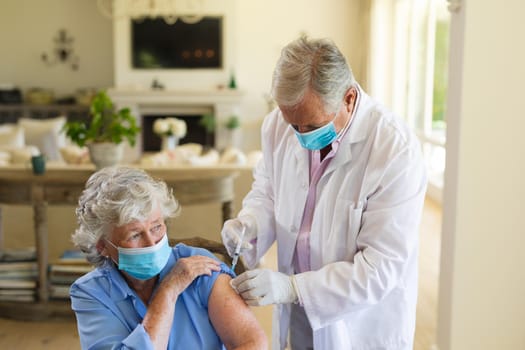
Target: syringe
[{"x": 237, "y": 252}]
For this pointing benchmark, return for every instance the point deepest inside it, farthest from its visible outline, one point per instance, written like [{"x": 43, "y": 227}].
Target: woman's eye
[
  {"x": 157, "y": 228},
  {"x": 134, "y": 236}
]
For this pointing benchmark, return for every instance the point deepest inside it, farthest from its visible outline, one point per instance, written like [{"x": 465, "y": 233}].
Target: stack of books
[
  {"x": 71, "y": 265},
  {"x": 18, "y": 274}
]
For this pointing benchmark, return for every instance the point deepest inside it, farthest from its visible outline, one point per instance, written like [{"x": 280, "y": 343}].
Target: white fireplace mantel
[
  {"x": 221, "y": 103},
  {"x": 178, "y": 97}
]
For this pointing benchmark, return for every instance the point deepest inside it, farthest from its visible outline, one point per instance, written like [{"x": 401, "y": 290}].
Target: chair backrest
[{"x": 215, "y": 247}]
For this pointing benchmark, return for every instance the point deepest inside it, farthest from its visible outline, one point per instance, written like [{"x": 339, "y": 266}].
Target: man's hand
[
  {"x": 232, "y": 233},
  {"x": 263, "y": 287}
]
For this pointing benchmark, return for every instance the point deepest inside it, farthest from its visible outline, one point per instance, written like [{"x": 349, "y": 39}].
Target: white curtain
[{"x": 401, "y": 57}]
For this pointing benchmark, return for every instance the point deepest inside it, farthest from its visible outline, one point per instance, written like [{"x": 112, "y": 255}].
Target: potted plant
[
  {"x": 232, "y": 123},
  {"x": 105, "y": 132},
  {"x": 207, "y": 121},
  {"x": 232, "y": 126}
]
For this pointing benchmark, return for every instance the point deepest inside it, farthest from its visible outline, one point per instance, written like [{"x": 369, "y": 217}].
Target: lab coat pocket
[
  {"x": 355, "y": 220},
  {"x": 346, "y": 222},
  {"x": 335, "y": 336}
]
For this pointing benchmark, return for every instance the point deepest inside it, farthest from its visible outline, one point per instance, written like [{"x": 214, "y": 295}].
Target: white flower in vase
[{"x": 170, "y": 130}]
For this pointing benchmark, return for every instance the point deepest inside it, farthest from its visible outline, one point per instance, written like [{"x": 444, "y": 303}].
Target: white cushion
[
  {"x": 183, "y": 153},
  {"x": 73, "y": 154},
  {"x": 5, "y": 158},
  {"x": 209, "y": 158},
  {"x": 11, "y": 136},
  {"x": 233, "y": 156},
  {"x": 23, "y": 155},
  {"x": 156, "y": 159},
  {"x": 189, "y": 149},
  {"x": 46, "y": 134}
]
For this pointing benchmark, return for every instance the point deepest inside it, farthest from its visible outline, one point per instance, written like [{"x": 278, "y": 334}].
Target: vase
[
  {"x": 169, "y": 143},
  {"x": 233, "y": 138},
  {"x": 105, "y": 154}
]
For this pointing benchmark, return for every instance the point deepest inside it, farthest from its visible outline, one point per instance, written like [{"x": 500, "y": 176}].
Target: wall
[
  {"x": 203, "y": 79},
  {"x": 482, "y": 304},
  {"x": 266, "y": 26},
  {"x": 28, "y": 29},
  {"x": 257, "y": 31}
]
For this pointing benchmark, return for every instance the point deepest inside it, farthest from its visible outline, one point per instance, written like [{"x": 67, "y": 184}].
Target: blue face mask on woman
[
  {"x": 319, "y": 138},
  {"x": 144, "y": 263}
]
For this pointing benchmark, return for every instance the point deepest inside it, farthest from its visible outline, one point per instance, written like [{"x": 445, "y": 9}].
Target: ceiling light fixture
[{"x": 188, "y": 11}]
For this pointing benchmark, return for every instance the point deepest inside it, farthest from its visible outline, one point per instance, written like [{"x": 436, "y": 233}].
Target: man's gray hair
[
  {"x": 117, "y": 196},
  {"x": 315, "y": 64}
]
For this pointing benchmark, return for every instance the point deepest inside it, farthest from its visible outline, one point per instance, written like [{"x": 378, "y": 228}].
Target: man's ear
[{"x": 350, "y": 97}]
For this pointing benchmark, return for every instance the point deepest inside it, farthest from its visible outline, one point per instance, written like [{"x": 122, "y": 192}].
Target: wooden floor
[
  {"x": 63, "y": 335},
  {"x": 429, "y": 253}
]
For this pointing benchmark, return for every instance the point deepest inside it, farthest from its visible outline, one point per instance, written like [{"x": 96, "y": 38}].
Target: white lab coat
[{"x": 362, "y": 290}]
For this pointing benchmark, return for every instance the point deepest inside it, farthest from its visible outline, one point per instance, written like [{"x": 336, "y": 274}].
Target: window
[
  {"x": 433, "y": 133},
  {"x": 409, "y": 67}
]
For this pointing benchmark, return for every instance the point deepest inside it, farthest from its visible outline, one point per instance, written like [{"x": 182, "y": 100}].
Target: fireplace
[{"x": 191, "y": 105}]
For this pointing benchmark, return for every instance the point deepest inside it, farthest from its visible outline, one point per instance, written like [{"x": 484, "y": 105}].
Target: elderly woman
[{"x": 143, "y": 293}]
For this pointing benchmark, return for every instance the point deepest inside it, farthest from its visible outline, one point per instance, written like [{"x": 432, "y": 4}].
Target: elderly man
[{"x": 340, "y": 189}]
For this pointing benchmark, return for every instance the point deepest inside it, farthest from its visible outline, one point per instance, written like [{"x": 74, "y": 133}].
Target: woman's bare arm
[
  {"x": 159, "y": 317},
  {"x": 233, "y": 320}
]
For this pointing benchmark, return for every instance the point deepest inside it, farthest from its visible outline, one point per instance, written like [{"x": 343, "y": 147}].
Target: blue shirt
[{"x": 109, "y": 313}]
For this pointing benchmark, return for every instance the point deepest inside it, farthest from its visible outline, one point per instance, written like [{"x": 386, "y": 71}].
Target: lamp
[{"x": 189, "y": 11}]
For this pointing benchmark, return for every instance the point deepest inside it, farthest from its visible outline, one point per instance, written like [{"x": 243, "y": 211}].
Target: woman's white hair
[
  {"x": 117, "y": 196},
  {"x": 315, "y": 64}
]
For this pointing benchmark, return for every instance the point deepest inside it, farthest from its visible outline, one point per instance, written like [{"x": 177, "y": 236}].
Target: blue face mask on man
[
  {"x": 144, "y": 263},
  {"x": 319, "y": 138}
]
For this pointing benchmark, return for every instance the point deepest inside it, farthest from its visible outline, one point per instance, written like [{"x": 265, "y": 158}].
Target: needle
[{"x": 237, "y": 252}]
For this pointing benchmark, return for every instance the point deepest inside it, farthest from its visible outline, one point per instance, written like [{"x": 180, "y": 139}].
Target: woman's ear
[{"x": 101, "y": 247}]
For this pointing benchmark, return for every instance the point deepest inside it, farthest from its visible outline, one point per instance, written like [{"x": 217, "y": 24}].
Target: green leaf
[
  {"x": 105, "y": 125},
  {"x": 208, "y": 122},
  {"x": 232, "y": 122}
]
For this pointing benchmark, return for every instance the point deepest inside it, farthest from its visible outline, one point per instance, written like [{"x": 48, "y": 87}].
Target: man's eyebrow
[{"x": 314, "y": 126}]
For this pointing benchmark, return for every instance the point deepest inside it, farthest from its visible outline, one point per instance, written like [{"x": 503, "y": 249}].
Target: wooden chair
[{"x": 215, "y": 247}]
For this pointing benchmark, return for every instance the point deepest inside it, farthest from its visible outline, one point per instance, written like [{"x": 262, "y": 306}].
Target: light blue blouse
[{"x": 109, "y": 313}]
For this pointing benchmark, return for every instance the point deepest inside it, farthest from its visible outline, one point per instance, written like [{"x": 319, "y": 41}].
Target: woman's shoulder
[
  {"x": 92, "y": 275},
  {"x": 99, "y": 276},
  {"x": 182, "y": 250}
]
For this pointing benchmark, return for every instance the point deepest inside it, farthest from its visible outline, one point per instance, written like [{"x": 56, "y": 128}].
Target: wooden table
[{"x": 62, "y": 184}]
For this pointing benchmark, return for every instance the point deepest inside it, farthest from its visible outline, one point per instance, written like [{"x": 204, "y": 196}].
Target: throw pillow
[
  {"x": 5, "y": 158},
  {"x": 11, "y": 136},
  {"x": 23, "y": 155},
  {"x": 46, "y": 134}
]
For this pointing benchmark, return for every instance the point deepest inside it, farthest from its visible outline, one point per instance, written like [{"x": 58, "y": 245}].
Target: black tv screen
[{"x": 156, "y": 44}]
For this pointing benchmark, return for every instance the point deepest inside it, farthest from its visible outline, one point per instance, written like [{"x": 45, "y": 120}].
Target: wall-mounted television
[{"x": 156, "y": 44}]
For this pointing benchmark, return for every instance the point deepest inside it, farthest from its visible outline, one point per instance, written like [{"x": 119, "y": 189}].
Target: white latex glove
[
  {"x": 232, "y": 231},
  {"x": 263, "y": 287}
]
